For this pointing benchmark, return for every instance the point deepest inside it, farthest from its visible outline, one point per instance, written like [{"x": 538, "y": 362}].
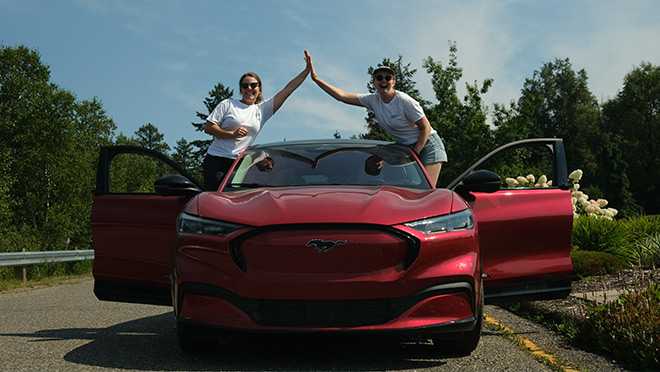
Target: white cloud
[
  {"x": 617, "y": 38},
  {"x": 296, "y": 18}
]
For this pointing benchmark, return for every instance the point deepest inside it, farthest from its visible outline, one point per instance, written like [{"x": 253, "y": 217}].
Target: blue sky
[{"x": 155, "y": 62}]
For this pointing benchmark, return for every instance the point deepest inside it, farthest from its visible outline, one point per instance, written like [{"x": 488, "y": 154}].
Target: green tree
[
  {"x": 23, "y": 80},
  {"x": 509, "y": 124},
  {"x": 184, "y": 155},
  {"x": 558, "y": 102},
  {"x": 148, "y": 136},
  {"x": 5, "y": 184},
  {"x": 133, "y": 173},
  {"x": 93, "y": 129},
  {"x": 462, "y": 125},
  {"x": 123, "y": 140},
  {"x": 633, "y": 117},
  {"x": 611, "y": 181},
  {"x": 51, "y": 142}
]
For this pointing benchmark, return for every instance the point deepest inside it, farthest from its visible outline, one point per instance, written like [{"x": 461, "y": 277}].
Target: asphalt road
[{"x": 65, "y": 328}]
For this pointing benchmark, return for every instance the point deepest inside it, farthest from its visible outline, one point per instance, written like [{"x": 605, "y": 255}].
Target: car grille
[
  {"x": 281, "y": 249},
  {"x": 324, "y": 313}
]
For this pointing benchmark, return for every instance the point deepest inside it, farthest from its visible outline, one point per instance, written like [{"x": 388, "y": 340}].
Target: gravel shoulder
[{"x": 569, "y": 356}]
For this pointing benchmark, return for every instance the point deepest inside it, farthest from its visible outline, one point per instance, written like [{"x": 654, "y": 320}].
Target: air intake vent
[{"x": 324, "y": 313}]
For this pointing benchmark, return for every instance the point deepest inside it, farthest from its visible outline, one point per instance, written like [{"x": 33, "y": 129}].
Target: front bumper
[{"x": 446, "y": 307}]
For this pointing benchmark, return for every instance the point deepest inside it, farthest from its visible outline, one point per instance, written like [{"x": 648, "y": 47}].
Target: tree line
[
  {"x": 614, "y": 143},
  {"x": 50, "y": 140}
]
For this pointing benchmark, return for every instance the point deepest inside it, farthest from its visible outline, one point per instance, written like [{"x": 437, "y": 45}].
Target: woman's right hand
[
  {"x": 310, "y": 65},
  {"x": 241, "y": 132}
]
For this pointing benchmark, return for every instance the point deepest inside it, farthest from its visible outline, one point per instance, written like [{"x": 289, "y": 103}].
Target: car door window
[
  {"x": 136, "y": 173},
  {"x": 529, "y": 167},
  {"x": 134, "y": 170}
]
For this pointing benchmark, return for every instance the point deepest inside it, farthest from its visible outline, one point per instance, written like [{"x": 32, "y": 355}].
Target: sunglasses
[
  {"x": 251, "y": 85},
  {"x": 386, "y": 77}
]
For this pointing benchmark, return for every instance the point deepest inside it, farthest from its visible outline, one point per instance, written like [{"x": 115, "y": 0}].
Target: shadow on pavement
[{"x": 150, "y": 344}]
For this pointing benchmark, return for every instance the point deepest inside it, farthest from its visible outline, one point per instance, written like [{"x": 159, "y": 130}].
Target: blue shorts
[{"x": 433, "y": 151}]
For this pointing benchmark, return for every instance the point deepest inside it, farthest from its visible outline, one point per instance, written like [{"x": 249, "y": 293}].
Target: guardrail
[{"x": 20, "y": 260}]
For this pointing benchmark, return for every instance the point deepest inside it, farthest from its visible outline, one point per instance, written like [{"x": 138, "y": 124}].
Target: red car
[{"x": 331, "y": 236}]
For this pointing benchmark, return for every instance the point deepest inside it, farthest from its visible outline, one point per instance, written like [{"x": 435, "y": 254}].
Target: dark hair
[
  {"x": 370, "y": 168},
  {"x": 254, "y": 75}
]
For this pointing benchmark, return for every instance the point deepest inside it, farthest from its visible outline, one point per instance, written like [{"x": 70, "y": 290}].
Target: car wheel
[
  {"x": 468, "y": 341},
  {"x": 191, "y": 342}
]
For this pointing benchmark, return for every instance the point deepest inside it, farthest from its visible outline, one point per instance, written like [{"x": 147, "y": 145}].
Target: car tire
[
  {"x": 191, "y": 342},
  {"x": 469, "y": 340}
]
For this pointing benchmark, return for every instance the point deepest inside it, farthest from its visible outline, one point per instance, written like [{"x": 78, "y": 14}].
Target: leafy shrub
[
  {"x": 602, "y": 235},
  {"x": 58, "y": 269},
  {"x": 16, "y": 240},
  {"x": 645, "y": 232},
  {"x": 589, "y": 263},
  {"x": 636, "y": 239},
  {"x": 639, "y": 227},
  {"x": 6, "y": 273},
  {"x": 82, "y": 267},
  {"x": 647, "y": 251},
  {"x": 629, "y": 327}
]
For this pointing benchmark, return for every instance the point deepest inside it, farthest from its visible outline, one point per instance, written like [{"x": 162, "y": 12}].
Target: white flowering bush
[
  {"x": 529, "y": 181},
  {"x": 582, "y": 205}
]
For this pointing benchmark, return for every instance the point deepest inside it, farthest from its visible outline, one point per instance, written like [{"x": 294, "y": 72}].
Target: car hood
[{"x": 325, "y": 204}]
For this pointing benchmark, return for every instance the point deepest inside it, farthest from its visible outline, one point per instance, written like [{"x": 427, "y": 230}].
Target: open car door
[
  {"x": 133, "y": 227},
  {"x": 524, "y": 228}
]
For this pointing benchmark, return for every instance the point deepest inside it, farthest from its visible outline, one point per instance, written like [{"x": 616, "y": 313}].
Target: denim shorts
[{"x": 433, "y": 151}]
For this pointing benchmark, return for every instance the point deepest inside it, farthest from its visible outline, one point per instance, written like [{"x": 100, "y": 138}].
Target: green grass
[{"x": 46, "y": 274}]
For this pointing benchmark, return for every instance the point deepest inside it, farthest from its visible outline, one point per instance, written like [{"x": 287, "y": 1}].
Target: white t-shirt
[
  {"x": 231, "y": 114},
  {"x": 397, "y": 117}
]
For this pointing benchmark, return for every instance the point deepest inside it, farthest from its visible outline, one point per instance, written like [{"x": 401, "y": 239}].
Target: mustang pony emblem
[{"x": 324, "y": 245}]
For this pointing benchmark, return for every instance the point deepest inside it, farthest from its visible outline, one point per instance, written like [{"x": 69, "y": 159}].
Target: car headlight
[
  {"x": 190, "y": 224},
  {"x": 441, "y": 224}
]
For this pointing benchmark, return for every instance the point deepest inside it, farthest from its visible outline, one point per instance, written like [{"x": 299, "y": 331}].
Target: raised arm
[
  {"x": 334, "y": 92},
  {"x": 283, "y": 94}
]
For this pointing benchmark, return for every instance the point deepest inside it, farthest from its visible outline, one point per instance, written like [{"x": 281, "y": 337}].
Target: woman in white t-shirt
[
  {"x": 234, "y": 124},
  {"x": 398, "y": 114}
]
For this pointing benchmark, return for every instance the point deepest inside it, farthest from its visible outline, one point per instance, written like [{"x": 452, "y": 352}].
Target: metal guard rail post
[{"x": 20, "y": 260}]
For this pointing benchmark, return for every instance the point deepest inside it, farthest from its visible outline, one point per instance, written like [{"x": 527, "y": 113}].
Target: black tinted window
[{"x": 327, "y": 164}]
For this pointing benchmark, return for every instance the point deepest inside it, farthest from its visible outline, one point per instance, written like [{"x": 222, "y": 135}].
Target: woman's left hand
[{"x": 310, "y": 65}]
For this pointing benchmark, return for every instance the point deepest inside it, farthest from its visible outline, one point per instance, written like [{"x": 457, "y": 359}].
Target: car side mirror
[
  {"x": 175, "y": 185},
  {"x": 479, "y": 181}
]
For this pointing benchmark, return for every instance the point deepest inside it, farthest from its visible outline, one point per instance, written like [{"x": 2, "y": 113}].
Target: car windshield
[{"x": 327, "y": 163}]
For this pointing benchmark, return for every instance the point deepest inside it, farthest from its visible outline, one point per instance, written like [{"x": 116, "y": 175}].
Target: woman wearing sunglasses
[
  {"x": 398, "y": 114},
  {"x": 234, "y": 124}
]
